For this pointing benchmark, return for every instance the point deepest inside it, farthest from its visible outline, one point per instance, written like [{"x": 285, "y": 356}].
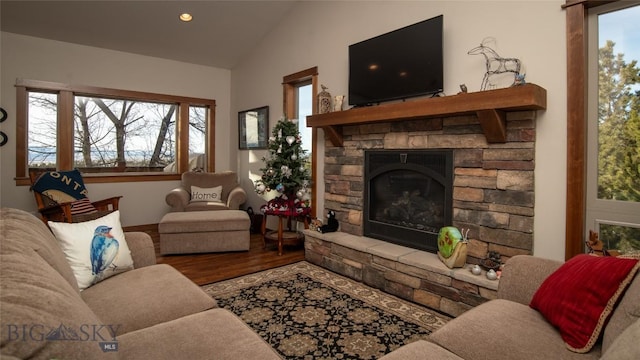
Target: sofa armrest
[
  {"x": 178, "y": 199},
  {"x": 142, "y": 250},
  {"x": 237, "y": 197},
  {"x": 522, "y": 276}
]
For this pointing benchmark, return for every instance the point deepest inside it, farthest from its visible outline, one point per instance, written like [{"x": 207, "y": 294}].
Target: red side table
[{"x": 290, "y": 214}]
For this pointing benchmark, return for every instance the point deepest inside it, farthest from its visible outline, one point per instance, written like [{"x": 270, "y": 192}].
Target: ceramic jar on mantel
[{"x": 324, "y": 101}]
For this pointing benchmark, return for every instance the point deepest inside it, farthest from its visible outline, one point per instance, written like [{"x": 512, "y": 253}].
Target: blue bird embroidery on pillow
[{"x": 104, "y": 248}]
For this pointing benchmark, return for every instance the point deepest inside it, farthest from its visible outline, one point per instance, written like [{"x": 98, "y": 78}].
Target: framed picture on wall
[{"x": 253, "y": 128}]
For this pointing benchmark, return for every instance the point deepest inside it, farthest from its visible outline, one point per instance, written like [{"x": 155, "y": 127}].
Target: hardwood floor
[{"x": 211, "y": 267}]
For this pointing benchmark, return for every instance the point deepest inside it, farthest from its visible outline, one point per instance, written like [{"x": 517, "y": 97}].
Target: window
[
  {"x": 112, "y": 131},
  {"x": 299, "y": 92},
  {"x": 42, "y": 130},
  {"x": 304, "y": 100},
  {"x": 613, "y": 140}
]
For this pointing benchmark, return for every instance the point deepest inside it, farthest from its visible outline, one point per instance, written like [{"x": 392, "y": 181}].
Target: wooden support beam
[
  {"x": 334, "y": 133},
  {"x": 494, "y": 125}
]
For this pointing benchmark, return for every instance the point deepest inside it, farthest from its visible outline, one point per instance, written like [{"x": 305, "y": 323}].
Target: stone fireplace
[
  {"x": 493, "y": 188},
  {"x": 407, "y": 196},
  {"x": 490, "y": 138}
]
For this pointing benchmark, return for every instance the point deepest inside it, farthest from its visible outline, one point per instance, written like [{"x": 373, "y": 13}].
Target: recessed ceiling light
[{"x": 186, "y": 17}]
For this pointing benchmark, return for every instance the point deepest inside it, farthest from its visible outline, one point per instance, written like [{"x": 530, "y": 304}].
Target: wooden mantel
[{"x": 489, "y": 106}]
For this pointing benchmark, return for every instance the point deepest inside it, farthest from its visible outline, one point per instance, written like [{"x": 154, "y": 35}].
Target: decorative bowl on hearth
[
  {"x": 490, "y": 264},
  {"x": 492, "y": 261}
]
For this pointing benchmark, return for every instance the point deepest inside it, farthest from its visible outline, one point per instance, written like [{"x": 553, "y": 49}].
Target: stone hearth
[{"x": 411, "y": 274}]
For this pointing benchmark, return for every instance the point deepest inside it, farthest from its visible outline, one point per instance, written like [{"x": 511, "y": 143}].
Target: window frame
[
  {"x": 65, "y": 144},
  {"x": 576, "y": 12},
  {"x": 289, "y": 88},
  {"x": 601, "y": 211}
]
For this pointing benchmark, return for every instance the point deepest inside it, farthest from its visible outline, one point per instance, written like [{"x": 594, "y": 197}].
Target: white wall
[
  {"x": 39, "y": 59},
  {"x": 317, "y": 33}
]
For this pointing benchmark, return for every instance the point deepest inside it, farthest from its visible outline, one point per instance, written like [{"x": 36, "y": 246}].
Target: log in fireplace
[{"x": 408, "y": 196}]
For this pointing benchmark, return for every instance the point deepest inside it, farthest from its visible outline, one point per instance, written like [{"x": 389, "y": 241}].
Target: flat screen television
[{"x": 397, "y": 65}]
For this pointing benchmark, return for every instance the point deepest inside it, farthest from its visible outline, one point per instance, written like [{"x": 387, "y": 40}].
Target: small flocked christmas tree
[{"x": 286, "y": 167}]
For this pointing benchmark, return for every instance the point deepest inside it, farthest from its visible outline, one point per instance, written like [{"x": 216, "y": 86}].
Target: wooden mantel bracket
[
  {"x": 490, "y": 106},
  {"x": 334, "y": 133},
  {"x": 494, "y": 125}
]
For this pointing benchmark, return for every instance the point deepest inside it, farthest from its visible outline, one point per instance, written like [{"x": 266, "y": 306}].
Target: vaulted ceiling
[{"x": 219, "y": 35}]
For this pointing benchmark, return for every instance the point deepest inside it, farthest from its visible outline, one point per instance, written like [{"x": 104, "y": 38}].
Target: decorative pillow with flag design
[{"x": 64, "y": 187}]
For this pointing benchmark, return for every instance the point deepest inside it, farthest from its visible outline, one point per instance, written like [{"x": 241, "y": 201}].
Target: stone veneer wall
[{"x": 493, "y": 193}]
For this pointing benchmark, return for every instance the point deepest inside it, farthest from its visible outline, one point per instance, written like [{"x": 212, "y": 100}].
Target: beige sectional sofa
[
  {"x": 151, "y": 312},
  {"x": 154, "y": 312},
  {"x": 507, "y": 328}
]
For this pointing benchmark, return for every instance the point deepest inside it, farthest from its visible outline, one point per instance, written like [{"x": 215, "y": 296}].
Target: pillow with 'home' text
[
  {"x": 206, "y": 194},
  {"x": 579, "y": 297}
]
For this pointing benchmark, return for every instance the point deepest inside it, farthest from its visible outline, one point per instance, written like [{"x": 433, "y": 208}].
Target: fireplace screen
[{"x": 408, "y": 196}]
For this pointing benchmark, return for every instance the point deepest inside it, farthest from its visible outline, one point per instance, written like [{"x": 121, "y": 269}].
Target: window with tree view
[
  {"x": 107, "y": 133},
  {"x": 613, "y": 204}
]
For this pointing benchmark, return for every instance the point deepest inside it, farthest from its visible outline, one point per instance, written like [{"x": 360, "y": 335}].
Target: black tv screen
[{"x": 400, "y": 64}]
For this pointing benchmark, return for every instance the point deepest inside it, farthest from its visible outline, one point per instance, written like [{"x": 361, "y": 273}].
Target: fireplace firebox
[{"x": 408, "y": 196}]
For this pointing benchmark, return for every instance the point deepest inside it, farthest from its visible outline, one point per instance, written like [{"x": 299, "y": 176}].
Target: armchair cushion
[{"x": 95, "y": 249}]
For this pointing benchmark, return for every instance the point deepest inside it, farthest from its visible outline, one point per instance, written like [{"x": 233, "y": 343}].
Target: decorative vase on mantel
[{"x": 324, "y": 101}]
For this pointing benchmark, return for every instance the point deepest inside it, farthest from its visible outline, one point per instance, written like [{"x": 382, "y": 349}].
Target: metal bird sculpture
[{"x": 104, "y": 248}]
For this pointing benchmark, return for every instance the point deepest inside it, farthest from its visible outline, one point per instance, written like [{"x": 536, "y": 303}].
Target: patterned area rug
[{"x": 306, "y": 312}]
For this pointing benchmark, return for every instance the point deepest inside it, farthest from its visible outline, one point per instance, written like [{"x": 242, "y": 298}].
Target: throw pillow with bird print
[{"x": 95, "y": 249}]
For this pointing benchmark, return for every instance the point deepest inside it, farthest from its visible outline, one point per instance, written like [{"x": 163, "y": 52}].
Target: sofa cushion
[
  {"x": 502, "y": 329},
  {"x": 214, "y": 334},
  {"x": 522, "y": 276},
  {"x": 579, "y": 297},
  {"x": 626, "y": 313},
  {"x": 420, "y": 349},
  {"x": 625, "y": 347},
  {"x": 145, "y": 297},
  {"x": 95, "y": 249},
  {"x": 19, "y": 226},
  {"x": 43, "y": 316}
]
